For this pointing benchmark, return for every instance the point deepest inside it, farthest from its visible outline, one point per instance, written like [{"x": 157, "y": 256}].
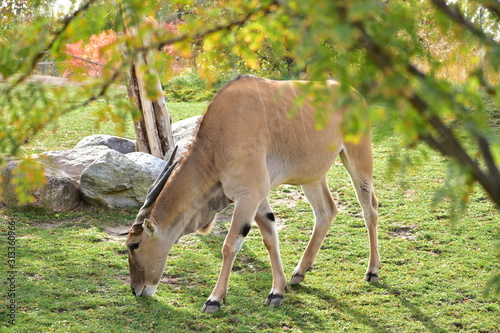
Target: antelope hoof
[
  {"x": 296, "y": 279},
  {"x": 371, "y": 277},
  {"x": 211, "y": 306},
  {"x": 274, "y": 300}
]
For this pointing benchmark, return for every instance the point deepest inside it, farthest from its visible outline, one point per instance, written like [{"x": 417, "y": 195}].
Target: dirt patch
[
  {"x": 405, "y": 232},
  {"x": 174, "y": 282},
  {"x": 125, "y": 279},
  {"x": 221, "y": 221},
  {"x": 120, "y": 231},
  {"x": 290, "y": 195}
]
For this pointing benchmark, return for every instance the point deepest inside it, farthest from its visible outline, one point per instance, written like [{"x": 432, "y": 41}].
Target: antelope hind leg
[
  {"x": 325, "y": 210},
  {"x": 357, "y": 159}
]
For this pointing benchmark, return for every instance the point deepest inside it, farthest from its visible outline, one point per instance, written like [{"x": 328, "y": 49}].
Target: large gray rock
[
  {"x": 148, "y": 164},
  {"x": 119, "y": 144},
  {"x": 186, "y": 129},
  {"x": 115, "y": 180},
  {"x": 184, "y": 132},
  {"x": 60, "y": 192},
  {"x": 72, "y": 162}
]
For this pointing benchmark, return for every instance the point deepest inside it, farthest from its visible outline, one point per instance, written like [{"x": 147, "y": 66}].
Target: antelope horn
[{"x": 155, "y": 189}]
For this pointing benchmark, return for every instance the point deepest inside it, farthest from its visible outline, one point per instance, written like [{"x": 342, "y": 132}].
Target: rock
[
  {"x": 147, "y": 163},
  {"x": 72, "y": 162},
  {"x": 121, "y": 145},
  {"x": 106, "y": 169},
  {"x": 115, "y": 180},
  {"x": 60, "y": 193},
  {"x": 184, "y": 132},
  {"x": 186, "y": 129}
]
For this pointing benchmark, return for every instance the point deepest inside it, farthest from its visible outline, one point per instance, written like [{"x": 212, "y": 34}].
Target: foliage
[
  {"x": 23, "y": 10},
  {"x": 189, "y": 87},
  {"x": 383, "y": 49},
  {"x": 72, "y": 268},
  {"x": 90, "y": 57}
]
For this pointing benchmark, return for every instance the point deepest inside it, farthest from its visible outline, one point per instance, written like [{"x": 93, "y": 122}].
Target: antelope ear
[{"x": 149, "y": 227}]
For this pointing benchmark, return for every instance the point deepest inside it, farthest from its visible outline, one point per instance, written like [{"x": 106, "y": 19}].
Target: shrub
[{"x": 189, "y": 87}]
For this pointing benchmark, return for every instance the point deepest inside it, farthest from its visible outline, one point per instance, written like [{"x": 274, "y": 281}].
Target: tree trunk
[{"x": 153, "y": 130}]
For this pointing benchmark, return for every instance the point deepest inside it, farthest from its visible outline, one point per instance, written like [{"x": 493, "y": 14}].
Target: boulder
[
  {"x": 72, "y": 162},
  {"x": 184, "y": 132},
  {"x": 119, "y": 144},
  {"x": 106, "y": 169},
  {"x": 115, "y": 180},
  {"x": 60, "y": 192},
  {"x": 147, "y": 163}
]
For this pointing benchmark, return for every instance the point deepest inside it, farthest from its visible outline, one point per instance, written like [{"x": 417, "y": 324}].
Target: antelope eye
[{"x": 133, "y": 246}]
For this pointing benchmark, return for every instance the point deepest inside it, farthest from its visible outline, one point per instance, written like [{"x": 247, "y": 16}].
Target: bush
[{"x": 189, "y": 88}]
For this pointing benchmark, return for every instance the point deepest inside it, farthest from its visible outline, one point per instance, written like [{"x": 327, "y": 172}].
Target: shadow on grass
[
  {"x": 246, "y": 298},
  {"x": 416, "y": 313},
  {"x": 154, "y": 314},
  {"x": 371, "y": 321},
  {"x": 343, "y": 306},
  {"x": 254, "y": 283}
]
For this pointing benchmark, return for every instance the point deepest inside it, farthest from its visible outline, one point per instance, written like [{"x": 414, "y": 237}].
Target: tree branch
[
  {"x": 492, "y": 5},
  {"x": 117, "y": 72},
  {"x": 53, "y": 117},
  {"x": 484, "y": 146},
  {"x": 455, "y": 15},
  {"x": 446, "y": 142},
  {"x": 83, "y": 59},
  {"x": 265, "y": 10}
]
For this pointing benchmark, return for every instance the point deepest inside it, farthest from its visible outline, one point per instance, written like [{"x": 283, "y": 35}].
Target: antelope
[{"x": 247, "y": 144}]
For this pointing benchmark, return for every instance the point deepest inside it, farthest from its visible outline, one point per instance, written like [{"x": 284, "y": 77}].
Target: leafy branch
[
  {"x": 116, "y": 73},
  {"x": 65, "y": 23},
  {"x": 443, "y": 139},
  {"x": 456, "y": 15},
  {"x": 257, "y": 11}
]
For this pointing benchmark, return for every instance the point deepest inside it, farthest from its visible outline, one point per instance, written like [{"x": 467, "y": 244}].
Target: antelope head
[
  {"x": 188, "y": 203},
  {"x": 147, "y": 254}
]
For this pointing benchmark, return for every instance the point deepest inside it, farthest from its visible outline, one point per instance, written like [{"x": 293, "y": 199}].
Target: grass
[
  {"x": 72, "y": 270},
  {"x": 68, "y": 131}
]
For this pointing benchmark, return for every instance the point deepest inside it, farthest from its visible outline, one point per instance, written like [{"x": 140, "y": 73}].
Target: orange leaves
[{"x": 89, "y": 58}]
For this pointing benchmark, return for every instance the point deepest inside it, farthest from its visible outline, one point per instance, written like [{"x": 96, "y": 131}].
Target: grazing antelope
[{"x": 246, "y": 145}]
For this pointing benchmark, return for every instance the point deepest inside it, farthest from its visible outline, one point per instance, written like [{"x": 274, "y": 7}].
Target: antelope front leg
[
  {"x": 266, "y": 222},
  {"x": 244, "y": 214}
]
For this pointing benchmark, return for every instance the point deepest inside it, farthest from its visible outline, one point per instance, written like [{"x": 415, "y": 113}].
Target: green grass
[
  {"x": 72, "y": 273},
  {"x": 69, "y": 130}
]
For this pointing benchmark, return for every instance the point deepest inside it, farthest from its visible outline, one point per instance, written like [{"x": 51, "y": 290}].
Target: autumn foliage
[
  {"x": 94, "y": 52},
  {"x": 88, "y": 58}
]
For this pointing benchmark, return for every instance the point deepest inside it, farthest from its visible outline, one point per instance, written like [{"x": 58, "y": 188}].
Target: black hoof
[
  {"x": 371, "y": 277},
  {"x": 211, "y": 306},
  {"x": 274, "y": 300}
]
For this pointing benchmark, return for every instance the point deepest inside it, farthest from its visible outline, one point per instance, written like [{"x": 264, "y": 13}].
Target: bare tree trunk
[
  {"x": 153, "y": 131},
  {"x": 142, "y": 143}
]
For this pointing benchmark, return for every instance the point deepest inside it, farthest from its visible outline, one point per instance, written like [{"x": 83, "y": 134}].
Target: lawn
[{"x": 71, "y": 269}]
